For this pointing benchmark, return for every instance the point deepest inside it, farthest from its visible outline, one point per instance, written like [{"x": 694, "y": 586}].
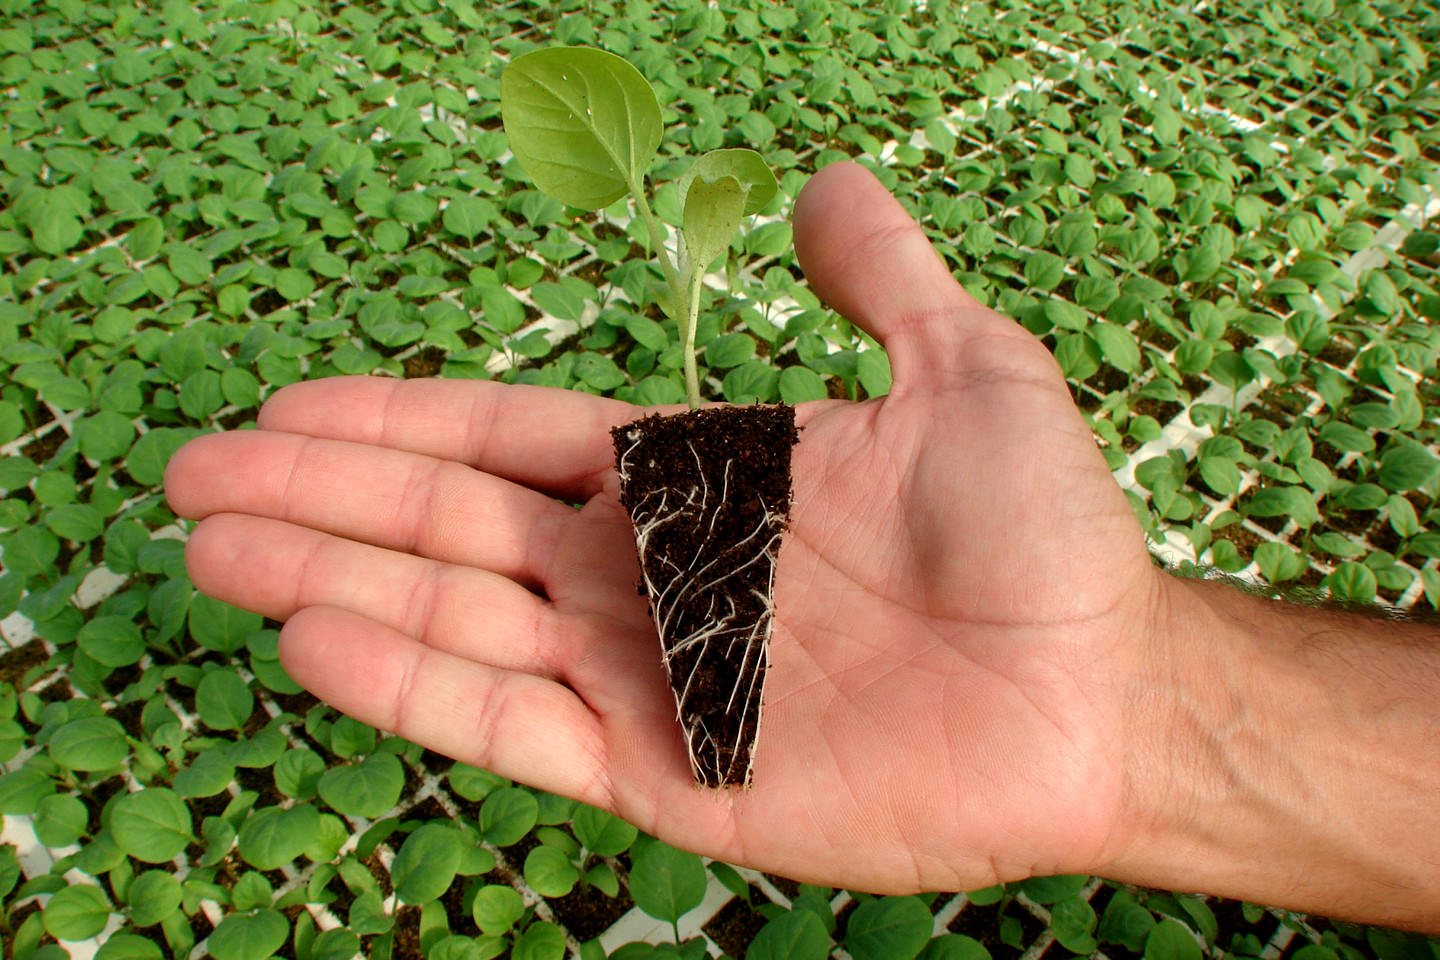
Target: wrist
[{"x": 1284, "y": 755}]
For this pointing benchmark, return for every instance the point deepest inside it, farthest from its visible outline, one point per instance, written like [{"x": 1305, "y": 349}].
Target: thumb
[{"x": 869, "y": 260}]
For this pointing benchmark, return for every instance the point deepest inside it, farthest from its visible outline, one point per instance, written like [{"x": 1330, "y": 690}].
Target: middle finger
[{"x": 277, "y": 569}]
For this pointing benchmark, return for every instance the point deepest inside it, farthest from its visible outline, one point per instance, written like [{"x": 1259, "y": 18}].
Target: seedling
[
  {"x": 585, "y": 126},
  {"x": 708, "y": 491}
]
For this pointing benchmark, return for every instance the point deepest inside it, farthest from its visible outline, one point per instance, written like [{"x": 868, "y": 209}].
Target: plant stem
[
  {"x": 657, "y": 240},
  {"x": 687, "y": 336},
  {"x": 684, "y": 297}
]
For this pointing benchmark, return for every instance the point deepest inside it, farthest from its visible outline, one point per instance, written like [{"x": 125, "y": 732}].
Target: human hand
[{"x": 960, "y": 598}]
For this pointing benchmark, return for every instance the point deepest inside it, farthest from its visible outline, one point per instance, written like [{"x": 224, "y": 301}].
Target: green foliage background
[{"x": 1217, "y": 219}]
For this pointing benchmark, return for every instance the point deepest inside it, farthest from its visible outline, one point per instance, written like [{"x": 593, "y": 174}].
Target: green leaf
[
  {"x": 240, "y": 387},
  {"x": 793, "y": 935},
  {"x": 508, "y": 814},
  {"x": 105, "y": 435},
  {"x": 496, "y": 908},
  {"x": 1171, "y": 940},
  {"x": 1282, "y": 501},
  {"x": 712, "y": 215},
  {"x": 584, "y": 124},
  {"x": 152, "y": 825},
  {"x": 748, "y": 168},
  {"x": 224, "y": 700},
  {"x": 540, "y": 941},
  {"x": 60, "y": 820},
  {"x": 90, "y": 743},
  {"x": 76, "y": 912},
  {"x": 799, "y": 384},
  {"x": 1117, "y": 345},
  {"x": 873, "y": 368},
  {"x": 473, "y": 784},
  {"x": 297, "y": 773},
  {"x": 413, "y": 207},
  {"x": 112, "y": 640},
  {"x": 217, "y": 625},
  {"x": 30, "y": 550},
  {"x": 369, "y": 789},
  {"x": 79, "y": 522},
  {"x": 153, "y": 895},
  {"x": 1278, "y": 563},
  {"x": 190, "y": 266},
  {"x": 208, "y": 774},
  {"x": 1406, "y": 466},
  {"x": 730, "y": 350},
  {"x": 55, "y": 232},
  {"x": 252, "y": 936},
  {"x": 127, "y": 946},
  {"x": 1048, "y": 890},
  {"x": 752, "y": 381},
  {"x": 1158, "y": 190},
  {"x": 467, "y": 216},
  {"x": 549, "y": 872},
  {"x": 1066, "y": 315},
  {"x": 601, "y": 833},
  {"x": 955, "y": 946},
  {"x": 1044, "y": 270},
  {"x": 145, "y": 238},
  {"x": 888, "y": 928},
  {"x": 22, "y": 790},
  {"x": 646, "y": 332},
  {"x": 1073, "y": 922},
  {"x": 426, "y": 863},
  {"x": 598, "y": 371},
  {"x": 666, "y": 883},
  {"x": 148, "y": 457},
  {"x": 1352, "y": 581},
  {"x": 272, "y": 837}
]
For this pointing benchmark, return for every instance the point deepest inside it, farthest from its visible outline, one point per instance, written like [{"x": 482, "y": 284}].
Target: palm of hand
[{"x": 958, "y": 569}]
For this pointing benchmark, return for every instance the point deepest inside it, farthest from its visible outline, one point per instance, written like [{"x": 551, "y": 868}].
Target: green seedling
[{"x": 585, "y": 126}]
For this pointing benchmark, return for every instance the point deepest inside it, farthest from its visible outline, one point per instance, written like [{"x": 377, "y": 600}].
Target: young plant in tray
[{"x": 708, "y": 491}]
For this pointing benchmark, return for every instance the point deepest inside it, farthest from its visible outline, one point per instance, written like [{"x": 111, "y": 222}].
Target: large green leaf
[
  {"x": 583, "y": 123},
  {"x": 152, "y": 825},
  {"x": 888, "y": 928},
  {"x": 426, "y": 863},
  {"x": 665, "y": 882}
]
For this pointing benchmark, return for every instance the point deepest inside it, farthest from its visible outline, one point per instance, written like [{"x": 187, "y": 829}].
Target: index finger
[{"x": 555, "y": 441}]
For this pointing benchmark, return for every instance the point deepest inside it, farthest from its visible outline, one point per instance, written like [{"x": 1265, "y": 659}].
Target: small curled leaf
[{"x": 746, "y": 166}]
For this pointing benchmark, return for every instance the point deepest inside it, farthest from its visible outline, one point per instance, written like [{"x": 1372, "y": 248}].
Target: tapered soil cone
[{"x": 708, "y": 492}]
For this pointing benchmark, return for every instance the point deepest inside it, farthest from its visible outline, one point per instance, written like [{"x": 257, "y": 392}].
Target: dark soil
[
  {"x": 587, "y": 912},
  {"x": 708, "y": 492},
  {"x": 736, "y": 924},
  {"x": 785, "y": 885},
  {"x": 17, "y": 660},
  {"x": 983, "y": 923},
  {"x": 425, "y": 363}
]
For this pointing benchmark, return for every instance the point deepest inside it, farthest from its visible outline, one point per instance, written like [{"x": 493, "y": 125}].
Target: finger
[
  {"x": 557, "y": 441},
  {"x": 277, "y": 569},
  {"x": 866, "y": 257},
  {"x": 517, "y": 725},
  {"x": 393, "y": 499}
]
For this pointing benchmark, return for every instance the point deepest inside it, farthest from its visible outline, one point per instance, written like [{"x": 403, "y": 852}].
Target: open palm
[{"x": 958, "y": 601}]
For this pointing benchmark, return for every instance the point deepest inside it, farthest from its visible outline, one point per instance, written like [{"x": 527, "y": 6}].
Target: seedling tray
[{"x": 1221, "y": 220}]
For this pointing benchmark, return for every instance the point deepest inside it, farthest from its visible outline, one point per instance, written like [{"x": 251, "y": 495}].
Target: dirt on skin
[{"x": 708, "y": 492}]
